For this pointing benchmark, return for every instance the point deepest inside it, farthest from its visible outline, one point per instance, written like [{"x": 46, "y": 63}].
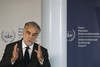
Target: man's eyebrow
[
  {"x": 35, "y": 33},
  {"x": 32, "y": 33}
]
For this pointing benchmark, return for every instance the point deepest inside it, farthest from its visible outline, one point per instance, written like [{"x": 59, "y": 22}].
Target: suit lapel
[
  {"x": 33, "y": 61},
  {"x": 33, "y": 52},
  {"x": 20, "y": 50}
]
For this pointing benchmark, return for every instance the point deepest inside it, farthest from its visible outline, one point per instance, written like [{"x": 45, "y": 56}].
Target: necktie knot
[{"x": 27, "y": 48}]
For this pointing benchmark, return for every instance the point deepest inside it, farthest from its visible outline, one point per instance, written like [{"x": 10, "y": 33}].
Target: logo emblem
[
  {"x": 8, "y": 36},
  {"x": 71, "y": 35}
]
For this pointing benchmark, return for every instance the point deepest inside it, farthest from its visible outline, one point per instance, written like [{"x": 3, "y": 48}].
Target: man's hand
[
  {"x": 39, "y": 54},
  {"x": 15, "y": 53}
]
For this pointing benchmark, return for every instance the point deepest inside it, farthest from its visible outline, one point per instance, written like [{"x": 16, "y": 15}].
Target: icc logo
[
  {"x": 8, "y": 36},
  {"x": 71, "y": 35}
]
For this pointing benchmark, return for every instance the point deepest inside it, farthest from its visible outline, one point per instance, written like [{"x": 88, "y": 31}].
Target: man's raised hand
[
  {"x": 15, "y": 53},
  {"x": 39, "y": 54}
]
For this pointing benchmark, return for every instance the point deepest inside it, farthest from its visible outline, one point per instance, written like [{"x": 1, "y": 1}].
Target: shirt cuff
[
  {"x": 41, "y": 62},
  {"x": 12, "y": 62}
]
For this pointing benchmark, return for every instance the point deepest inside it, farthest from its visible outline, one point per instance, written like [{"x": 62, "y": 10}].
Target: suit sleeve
[{"x": 6, "y": 59}]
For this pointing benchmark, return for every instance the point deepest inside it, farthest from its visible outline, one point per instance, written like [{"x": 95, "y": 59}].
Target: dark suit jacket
[{"x": 6, "y": 59}]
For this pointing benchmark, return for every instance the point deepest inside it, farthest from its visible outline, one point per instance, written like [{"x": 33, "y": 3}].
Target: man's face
[{"x": 30, "y": 34}]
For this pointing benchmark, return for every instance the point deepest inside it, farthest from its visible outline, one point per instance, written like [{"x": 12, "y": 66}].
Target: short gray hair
[{"x": 32, "y": 23}]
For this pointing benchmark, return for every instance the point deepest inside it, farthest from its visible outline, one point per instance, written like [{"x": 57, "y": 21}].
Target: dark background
[{"x": 84, "y": 13}]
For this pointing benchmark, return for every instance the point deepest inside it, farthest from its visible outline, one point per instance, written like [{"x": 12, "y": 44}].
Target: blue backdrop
[{"x": 83, "y": 35}]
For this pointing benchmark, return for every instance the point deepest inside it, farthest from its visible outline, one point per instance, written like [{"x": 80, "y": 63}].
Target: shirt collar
[{"x": 24, "y": 45}]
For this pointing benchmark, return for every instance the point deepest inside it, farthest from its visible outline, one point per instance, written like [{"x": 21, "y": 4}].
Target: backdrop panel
[{"x": 83, "y": 17}]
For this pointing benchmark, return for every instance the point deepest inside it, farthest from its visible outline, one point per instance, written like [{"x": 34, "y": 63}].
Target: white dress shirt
[{"x": 24, "y": 48}]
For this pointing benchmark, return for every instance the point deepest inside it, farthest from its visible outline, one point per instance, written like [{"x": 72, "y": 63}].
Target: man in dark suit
[{"x": 25, "y": 52}]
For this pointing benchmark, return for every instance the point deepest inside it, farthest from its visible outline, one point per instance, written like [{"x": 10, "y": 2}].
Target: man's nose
[{"x": 30, "y": 36}]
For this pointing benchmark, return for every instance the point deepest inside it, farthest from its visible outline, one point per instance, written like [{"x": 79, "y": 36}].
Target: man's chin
[{"x": 29, "y": 44}]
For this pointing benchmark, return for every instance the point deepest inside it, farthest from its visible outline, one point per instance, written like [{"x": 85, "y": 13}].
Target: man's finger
[
  {"x": 17, "y": 50},
  {"x": 36, "y": 51},
  {"x": 15, "y": 47},
  {"x": 39, "y": 48}
]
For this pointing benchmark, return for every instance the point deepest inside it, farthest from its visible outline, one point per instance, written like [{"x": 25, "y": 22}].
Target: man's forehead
[{"x": 31, "y": 27}]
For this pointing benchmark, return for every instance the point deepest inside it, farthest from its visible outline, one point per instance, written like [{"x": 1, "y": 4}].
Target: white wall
[
  {"x": 54, "y": 27},
  {"x": 13, "y": 15}
]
